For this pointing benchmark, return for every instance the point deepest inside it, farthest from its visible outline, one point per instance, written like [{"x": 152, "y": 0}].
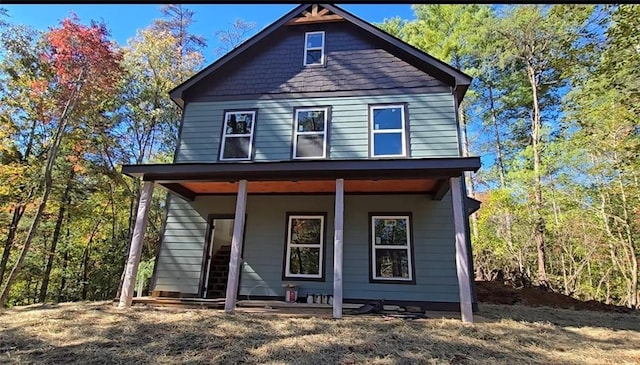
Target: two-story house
[{"x": 324, "y": 153}]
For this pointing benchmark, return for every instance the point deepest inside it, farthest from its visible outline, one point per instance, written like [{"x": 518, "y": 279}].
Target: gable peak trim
[{"x": 315, "y": 14}]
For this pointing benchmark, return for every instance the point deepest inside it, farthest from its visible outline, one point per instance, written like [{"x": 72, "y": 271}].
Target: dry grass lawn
[{"x": 97, "y": 333}]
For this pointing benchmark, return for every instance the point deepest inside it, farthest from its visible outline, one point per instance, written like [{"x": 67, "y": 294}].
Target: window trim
[
  {"x": 223, "y": 138},
  {"x": 325, "y": 140},
  {"x": 404, "y": 131},
  {"x": 286, "y": 275},
  {"x": 321, "y": 48},
  {"x": 410, "y": 248}
]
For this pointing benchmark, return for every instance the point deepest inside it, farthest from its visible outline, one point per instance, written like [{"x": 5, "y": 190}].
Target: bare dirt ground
[
  {"x": 97, "y": 333},
  {"x": 496, "y": 292}
]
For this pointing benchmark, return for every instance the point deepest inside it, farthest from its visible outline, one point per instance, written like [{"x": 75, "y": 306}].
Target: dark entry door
[{"x": 219, "y": 251}]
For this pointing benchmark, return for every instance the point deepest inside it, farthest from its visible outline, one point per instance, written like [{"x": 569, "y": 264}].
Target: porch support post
[
  {"x": 462, "y": 262},
  {"x": 236, "y": 248},
  {"x": 337, "y": 249},
  {"x": 135, "y": 251}
]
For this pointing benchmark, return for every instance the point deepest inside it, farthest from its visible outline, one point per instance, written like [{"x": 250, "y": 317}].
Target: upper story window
[
  {"x": 237, "y": 135},
  {"x": 314, "y": 48},
  {"x": 310, "y": 133},
  {"x": 388, "y": 134}
]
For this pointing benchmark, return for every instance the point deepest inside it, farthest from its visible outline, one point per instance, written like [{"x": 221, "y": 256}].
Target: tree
[
  {"x": 604, "y": 110},
  {"x": 539, "y": 41},
  {"x": 232, "y": 38},
  {"x": 177, "y": 20},
  {"x": 85, "y": 70},
  {"x": 24, "y": 105}
]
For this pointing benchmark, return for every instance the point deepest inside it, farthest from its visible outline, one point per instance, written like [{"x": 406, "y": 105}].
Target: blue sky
[{"x": 124, "y": 19}]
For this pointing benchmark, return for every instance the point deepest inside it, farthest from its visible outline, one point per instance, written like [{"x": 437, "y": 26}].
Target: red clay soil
[{"x": 496, "y": 292}]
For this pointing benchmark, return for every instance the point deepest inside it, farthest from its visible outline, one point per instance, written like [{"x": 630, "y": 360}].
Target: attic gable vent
[{"x": 315, "y": 14}]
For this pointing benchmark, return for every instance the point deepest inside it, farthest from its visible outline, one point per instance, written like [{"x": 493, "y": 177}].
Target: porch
[
  {"x": 362, "y": 181},
  {"x": 278, "y": 307}
]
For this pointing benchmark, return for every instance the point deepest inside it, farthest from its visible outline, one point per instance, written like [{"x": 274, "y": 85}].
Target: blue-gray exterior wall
[
  {"x": 179, "y": 262},
  {"x": 264, "y": 246},
  {"x": 432, "y": 133},
  {"x": 433, "y": 241},
  {"x": 431, "y": 120}
]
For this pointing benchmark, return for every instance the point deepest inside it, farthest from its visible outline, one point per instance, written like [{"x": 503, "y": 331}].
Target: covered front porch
[{"x": 363, "y": 181}]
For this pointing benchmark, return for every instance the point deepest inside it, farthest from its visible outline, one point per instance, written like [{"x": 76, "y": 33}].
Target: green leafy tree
[
  {"x": 539, "y": 41},
  {"x": 85, "y": 70},
  {"x": 604, "y": 110}
]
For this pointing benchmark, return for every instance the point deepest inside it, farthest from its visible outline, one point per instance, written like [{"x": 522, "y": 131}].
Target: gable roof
[{"x": 448, "y": 74}]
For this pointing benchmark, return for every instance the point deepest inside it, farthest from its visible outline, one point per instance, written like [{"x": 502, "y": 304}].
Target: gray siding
[
  {"x": 431, "y": 119},
  {"x": 434, "y": 249},
  {"x": 354, "y": 61},
  {"x": 180, "y": 263},
  {"x": 264, "y": 244}
]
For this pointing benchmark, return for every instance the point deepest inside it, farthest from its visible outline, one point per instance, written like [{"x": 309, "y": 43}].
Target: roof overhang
[
  {"x": 458, "y": 80},
  {"x": 424, "y": 175},
  {"x": 305, "y": 170}
]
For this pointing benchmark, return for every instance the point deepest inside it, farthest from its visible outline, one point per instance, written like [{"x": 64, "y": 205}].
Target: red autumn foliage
[
  {"x": 38, "y": 88},
  {"x": 83, "y": 56}
]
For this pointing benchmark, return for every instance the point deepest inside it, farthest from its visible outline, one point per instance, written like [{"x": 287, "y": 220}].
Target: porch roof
[{"x": 426, "y": 175}]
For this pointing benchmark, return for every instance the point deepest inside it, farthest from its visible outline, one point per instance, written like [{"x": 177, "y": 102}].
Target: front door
[{"x": 218, "y": 255}]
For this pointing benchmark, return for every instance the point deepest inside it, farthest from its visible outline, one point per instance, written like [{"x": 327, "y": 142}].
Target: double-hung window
[
  {"x": 237, "y": 135},
  {"x": 305, "y": 246},
  {"x": 310, "y": 133},
  {"x": 314, "y": 48},
  {"x": 391, "y": 258},
  {"x": 387, "y": 130}
]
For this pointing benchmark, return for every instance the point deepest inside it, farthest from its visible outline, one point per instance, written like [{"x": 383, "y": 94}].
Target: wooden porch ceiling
[
  {"x": 313, "y": 186},
  {"x": 424, "y": 175}
]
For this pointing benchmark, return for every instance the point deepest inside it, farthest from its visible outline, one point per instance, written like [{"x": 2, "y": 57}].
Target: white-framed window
[
  {"x": 237, "y": 135},
  {"x": 391, "y": 258},
  {"x": 305, "y": 246},
  {"x": 310, "y": 133},
  {"x": 387, "y": 127},
  {"x": 313, "y": 48}
]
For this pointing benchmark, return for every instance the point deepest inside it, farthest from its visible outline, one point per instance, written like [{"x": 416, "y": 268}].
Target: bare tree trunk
[
  {"x": 536, "y": 139},
  {"x": 86, "y": 253},
  {"x": 64, "y": 203},
  {"x": 633, "y": 295},
  {"x": 502, "y": 172},
  {"x": 63, "y": 280},
  {"x": 11, "y": 235},
  {"x": 564, "y": 274},
  {"x": 612, "y": 250},
  {"x": 85, "y": 270}
]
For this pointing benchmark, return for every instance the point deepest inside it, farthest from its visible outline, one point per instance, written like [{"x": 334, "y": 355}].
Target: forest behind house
[{"x": 553, "y": 111}]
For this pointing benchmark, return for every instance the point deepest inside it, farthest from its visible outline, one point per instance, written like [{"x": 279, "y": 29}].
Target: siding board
[
  {"x": 180, "y": 259},
  {"x": 179, "y": 264},
  {"x": 432, "y": 129}
]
